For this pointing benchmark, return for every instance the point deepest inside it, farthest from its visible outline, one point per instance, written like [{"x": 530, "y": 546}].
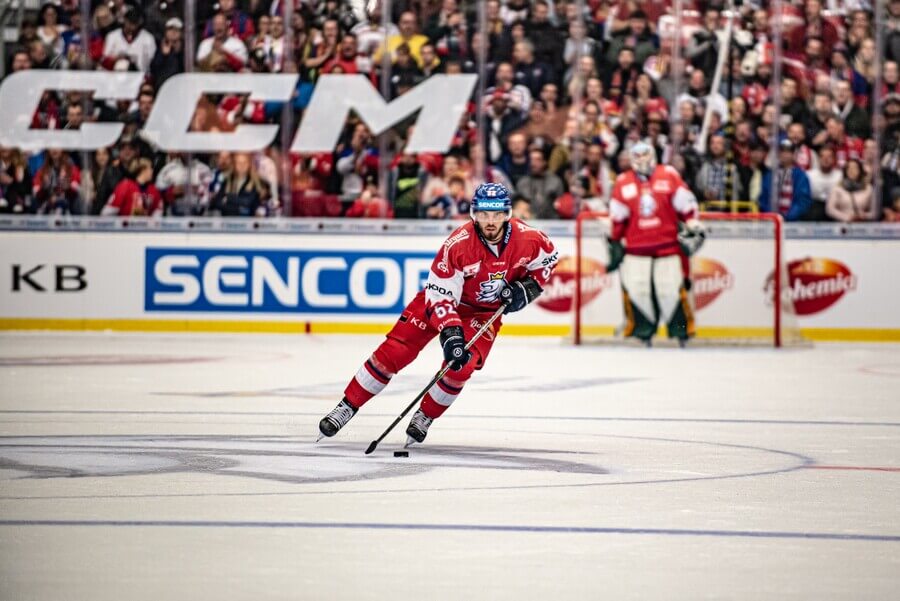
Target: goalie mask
[{"x": 643, "y": 159}]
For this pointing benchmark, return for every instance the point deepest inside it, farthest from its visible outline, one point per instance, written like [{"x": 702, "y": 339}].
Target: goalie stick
[{"x": 440, "y": 374}]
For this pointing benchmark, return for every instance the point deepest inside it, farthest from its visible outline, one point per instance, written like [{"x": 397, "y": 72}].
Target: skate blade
[
  {"x": 321, "y": 436},
  {"x": 410, "y": 441}
]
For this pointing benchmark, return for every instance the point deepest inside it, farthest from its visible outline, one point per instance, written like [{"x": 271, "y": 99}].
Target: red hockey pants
[{"x": 402, "y": 345}]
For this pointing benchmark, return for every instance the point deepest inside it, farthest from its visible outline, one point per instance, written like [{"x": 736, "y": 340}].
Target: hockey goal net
[{"x": 735, "y": 278}]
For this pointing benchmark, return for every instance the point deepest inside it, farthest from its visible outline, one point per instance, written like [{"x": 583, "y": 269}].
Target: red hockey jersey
[
  {"x": 467, "y": 273},
  {"x": 132, "y": 200},
  {"x": 646, "y": 212}
]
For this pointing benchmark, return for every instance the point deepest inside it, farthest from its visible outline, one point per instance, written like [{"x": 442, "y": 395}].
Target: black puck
[{"x": 401, "y": 453}]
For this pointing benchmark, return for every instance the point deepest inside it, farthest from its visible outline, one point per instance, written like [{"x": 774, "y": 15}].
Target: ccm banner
[{"x": 165, "y": 279}]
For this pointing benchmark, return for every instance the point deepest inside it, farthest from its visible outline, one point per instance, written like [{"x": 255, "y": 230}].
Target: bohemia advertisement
[{"x": 813, "y": 284}]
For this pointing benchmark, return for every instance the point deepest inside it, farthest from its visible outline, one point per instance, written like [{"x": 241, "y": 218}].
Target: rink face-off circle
[{"x": 286, "y": 460}]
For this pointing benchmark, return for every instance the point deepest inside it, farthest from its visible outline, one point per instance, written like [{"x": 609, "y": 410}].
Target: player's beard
[{"x": 494, "y": 234}]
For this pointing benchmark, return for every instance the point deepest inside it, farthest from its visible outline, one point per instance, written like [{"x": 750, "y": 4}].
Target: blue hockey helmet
[{"x": 491, "y": 197}]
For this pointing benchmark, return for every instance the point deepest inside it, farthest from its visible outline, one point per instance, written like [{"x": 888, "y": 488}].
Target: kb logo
[{"x": 60, "y": 278}]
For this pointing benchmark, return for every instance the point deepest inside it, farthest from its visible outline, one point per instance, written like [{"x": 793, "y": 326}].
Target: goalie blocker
[
  {"x": 650, "y": 203},
  {"x": 489, "y": 261}
]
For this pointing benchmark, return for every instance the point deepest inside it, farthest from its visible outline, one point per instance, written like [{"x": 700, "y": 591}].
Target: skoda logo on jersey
[
  {"x": 647, "y": 205},
  {"x": 490, "y": 290}
]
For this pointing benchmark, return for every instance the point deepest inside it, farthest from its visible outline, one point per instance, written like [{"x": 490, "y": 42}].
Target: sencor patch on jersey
[
  {"x": 629, "y": 191},
  {"x": 470, "y": 270}
]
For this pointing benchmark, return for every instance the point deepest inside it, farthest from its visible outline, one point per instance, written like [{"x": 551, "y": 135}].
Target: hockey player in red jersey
[
  {"x": 647, "y": 205},
  {"x": 491, "y": 259}
]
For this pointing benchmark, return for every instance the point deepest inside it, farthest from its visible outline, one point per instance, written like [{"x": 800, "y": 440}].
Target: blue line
[
  {"x": 457, "y": 528},
  {"x": 516, "y": 417}
]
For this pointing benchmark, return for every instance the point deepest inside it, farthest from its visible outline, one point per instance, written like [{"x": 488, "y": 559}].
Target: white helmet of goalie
[{"x": 643, "y": 158}]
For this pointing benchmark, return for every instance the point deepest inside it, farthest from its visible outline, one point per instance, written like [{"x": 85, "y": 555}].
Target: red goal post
[{"x": 742, "y": 248}]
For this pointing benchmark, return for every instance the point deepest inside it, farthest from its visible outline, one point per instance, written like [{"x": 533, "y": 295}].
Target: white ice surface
[{"x": 184, "y": 467}]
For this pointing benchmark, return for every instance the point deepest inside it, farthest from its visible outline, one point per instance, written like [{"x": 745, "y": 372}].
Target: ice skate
[
  {"x": 418, "y": 427},
  {"x": 332, "y": 423}
]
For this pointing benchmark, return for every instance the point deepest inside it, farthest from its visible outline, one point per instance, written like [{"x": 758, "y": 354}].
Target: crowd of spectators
[{"x": 565, "y": 95}]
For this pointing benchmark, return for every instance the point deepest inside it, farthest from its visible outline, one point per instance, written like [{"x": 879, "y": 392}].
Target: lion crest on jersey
[
  {"x": 490, "y": 290},
  {"x": 647, "y": 205}
]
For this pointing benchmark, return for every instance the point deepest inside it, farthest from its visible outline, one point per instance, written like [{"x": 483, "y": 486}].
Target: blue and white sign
[{"x": 281, "y": 281}]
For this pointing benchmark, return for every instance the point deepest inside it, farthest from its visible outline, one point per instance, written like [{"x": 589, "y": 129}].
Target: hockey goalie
[{"x": 655, "y": 228}]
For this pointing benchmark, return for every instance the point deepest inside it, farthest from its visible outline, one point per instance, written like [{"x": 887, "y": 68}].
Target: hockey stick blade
[{"x": 500, "y": 310}]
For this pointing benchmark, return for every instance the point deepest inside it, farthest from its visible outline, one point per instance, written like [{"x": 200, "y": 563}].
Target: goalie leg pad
[
  {"x": 636, "y": 273},
  {"x": 681, "y": 325},
  {"x": 637, "y": 325},
  {"x": 668, "y": 281}
]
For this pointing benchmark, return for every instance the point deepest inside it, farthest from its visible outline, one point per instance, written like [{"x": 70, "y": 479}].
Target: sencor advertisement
[
  {"x": 281, "y": 281},
  {"x": 176, "y": 280}
]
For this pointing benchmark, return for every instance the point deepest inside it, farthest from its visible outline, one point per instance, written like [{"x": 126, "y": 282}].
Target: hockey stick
[{"x": 437, "y": 377}]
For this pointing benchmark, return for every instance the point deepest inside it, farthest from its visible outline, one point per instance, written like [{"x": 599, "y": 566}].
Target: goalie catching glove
[
  {"x": 691, "y": 237},
  {"x": 453, "y": 342},
  {"x": 518, "y": 294}
]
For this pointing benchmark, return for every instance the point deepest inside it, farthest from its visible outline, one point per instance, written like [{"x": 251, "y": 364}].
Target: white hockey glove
[
  {"x": 518, "y": 294},
  {"x": 691, "y": 237}
]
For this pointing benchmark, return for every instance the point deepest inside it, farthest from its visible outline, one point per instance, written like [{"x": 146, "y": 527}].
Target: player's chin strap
[{"x": 500, "y": 310}]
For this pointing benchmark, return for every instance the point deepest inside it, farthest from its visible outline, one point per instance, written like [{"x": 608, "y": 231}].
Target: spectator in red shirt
[
  {"x": 57, "y": 185},
  {"x": 370, "y": 204},
  {"x": 845, "y": 147},
  {"x": 815, "y": 26},
  {"x": 103, "y": 22},
  {"x": 345, "y": 61},
  {"x": 758, "y": 92},
  {"x": 743, "y": 136},
  {"x": 804, "y": 157},
  {"x": 136, "y": 195}
]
